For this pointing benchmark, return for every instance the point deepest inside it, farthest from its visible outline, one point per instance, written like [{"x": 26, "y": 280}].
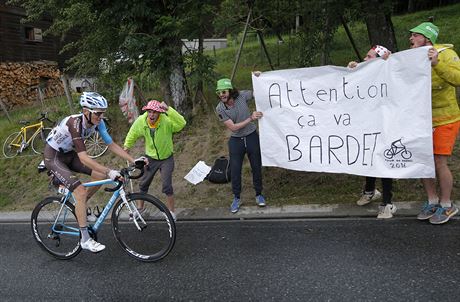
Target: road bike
[
  {"x": 95, "y": 145},
  {"x": 18, "y": 141},
  {"x": 147, "y": 235}
]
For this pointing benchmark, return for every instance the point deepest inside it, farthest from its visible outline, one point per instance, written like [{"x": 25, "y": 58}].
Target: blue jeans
[{"x": 238, "y": 147}]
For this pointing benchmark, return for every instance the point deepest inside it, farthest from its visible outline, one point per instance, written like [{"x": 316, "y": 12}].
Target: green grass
[{"x": 205, "y": 138}]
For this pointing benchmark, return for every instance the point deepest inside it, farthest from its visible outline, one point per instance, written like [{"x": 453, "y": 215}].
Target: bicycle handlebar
[
  {"x": 125, "y": 172},
  {"x": 44, "y": 117}
]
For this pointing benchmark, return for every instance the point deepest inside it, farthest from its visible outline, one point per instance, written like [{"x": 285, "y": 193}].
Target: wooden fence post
[
  {"x": 4, "y": 109},
  {"x": 65, "y": 81}
]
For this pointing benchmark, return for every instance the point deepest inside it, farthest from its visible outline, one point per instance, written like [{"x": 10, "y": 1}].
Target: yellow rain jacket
[{"x": 444, "y": 77}]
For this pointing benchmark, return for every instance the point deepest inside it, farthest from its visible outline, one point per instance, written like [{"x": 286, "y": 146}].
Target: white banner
[{"x": 373, "y": 120}]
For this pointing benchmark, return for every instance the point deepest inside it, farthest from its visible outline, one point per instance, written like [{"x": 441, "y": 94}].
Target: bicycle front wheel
[
  {"x": 148, "y": 236},
  {"x": 55, "y": 228},
  {"x": 39, "y": 140},
  {"x": 12, "y": 145}
]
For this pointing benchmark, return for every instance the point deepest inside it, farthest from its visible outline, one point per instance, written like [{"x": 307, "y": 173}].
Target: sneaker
[
  {"x": 235, "y": 205},
  {"x": 386, "y": 211},
  {"x": 92, "y": 246},
  {"x": 90, "y": 217},
  {"x": 427, "y": 211},
  {"x": 367, "y": 197},
  {"x": 442, "y": 215},
  {"x": 260, "y": 200},
  {"x": 173, "y": 216}
]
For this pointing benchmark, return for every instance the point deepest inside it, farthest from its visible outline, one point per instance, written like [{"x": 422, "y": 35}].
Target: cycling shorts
[
  {"x": 444, "y": 138},
  {"x": 63, "y": 166}
]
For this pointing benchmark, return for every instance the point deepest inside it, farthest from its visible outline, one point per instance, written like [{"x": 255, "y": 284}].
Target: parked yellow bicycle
[{"x": 17, "y": 142}]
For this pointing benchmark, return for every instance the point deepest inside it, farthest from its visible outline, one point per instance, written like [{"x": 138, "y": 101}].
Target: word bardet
[{"x": 333, "y": 148}]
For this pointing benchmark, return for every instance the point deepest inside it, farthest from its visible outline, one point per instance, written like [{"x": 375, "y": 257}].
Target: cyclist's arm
[
  {"x": 115, "y": 148},
  {"x": 91, "y": 163},
  {"x": 102, "y": 128}
]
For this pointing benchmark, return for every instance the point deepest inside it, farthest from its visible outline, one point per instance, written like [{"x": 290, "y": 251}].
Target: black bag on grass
[{"x": 220, "y": 171}]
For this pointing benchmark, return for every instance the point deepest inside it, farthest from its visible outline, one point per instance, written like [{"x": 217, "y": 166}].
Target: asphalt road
[{"x": 290, "y": 260}]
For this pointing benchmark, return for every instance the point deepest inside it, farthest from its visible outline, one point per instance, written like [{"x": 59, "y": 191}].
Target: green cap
[
  {"x": 428, "y": 29},
  {"x": 224, "y": 84}
]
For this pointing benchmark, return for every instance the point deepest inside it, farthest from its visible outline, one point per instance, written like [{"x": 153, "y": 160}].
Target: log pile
[{"x": 20, "y": 81}]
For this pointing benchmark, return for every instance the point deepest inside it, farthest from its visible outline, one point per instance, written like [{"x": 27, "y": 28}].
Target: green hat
[
  {"x": 428, "y": 29},
  {"x": 224, "y": 84}
]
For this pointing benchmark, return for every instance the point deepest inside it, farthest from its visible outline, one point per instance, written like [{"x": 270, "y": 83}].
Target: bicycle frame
[
  {"x": 117, "y": 193},
  {"x": 21, "y": 139}
]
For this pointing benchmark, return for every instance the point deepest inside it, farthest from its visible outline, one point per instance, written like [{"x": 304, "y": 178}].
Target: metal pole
[
  {"x": 241, "y": 44},
  {"x": 347, "y": 30},
  {"x": 262, "y": 42}
]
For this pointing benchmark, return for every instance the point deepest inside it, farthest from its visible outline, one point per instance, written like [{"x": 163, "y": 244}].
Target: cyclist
[{"x": 65, "y": 153}]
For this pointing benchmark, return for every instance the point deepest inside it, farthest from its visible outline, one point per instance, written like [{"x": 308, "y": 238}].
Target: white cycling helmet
[{"x": 93, "y": 100}]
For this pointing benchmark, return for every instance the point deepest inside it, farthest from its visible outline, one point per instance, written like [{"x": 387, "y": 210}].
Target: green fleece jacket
[
  {"x": 445, "y": 76},
  {"x": 158, "y": 145}
]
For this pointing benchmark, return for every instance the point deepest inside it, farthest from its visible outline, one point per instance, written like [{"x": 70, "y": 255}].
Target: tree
[
  {"x": 123, "y": 35},
  {"x": 377, "y": 15}
]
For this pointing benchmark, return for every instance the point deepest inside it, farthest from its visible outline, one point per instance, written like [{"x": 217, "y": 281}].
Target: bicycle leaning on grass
[
  {"x": 146, "y": 235},
  {"x": 18, "y": 141}
]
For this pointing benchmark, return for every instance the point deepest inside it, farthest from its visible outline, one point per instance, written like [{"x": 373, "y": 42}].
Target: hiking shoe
[
  {"x": 92, "y": 246},
  {"x": 427, "y": 211},
  {"x": 368, "y": 197},
  {"x": 442, "y": 215},
  {"x": 235, "y": 205},
  {"x": 260, "y": 200},
  {"x": 386, "y": 211}
]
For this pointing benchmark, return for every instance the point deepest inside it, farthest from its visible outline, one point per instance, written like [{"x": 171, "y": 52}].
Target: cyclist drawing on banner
[
  {"x": 397, "y": 147},
  {"x": 65, "y": 153}
]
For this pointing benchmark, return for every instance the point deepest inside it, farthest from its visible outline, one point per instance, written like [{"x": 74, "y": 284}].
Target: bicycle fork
[{"x": 133, "y": 211}]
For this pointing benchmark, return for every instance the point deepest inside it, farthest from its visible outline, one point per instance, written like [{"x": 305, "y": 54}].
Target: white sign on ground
[
  {"x": 198, "y": 173},
  {"x": 373, "y": 120}
]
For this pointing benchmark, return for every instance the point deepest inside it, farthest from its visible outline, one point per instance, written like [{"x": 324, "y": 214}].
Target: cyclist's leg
[
  {"x": 77, "y": 166},
  {"x": 166, "y": 170},
  {"x": 62, "y": 166}
]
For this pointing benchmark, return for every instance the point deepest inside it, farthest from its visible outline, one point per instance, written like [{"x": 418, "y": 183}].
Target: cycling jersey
[{"x": 71, "y": 132}]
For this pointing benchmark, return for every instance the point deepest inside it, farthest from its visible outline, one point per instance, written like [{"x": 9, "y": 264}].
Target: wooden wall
[{"x": 15, "y": 46}]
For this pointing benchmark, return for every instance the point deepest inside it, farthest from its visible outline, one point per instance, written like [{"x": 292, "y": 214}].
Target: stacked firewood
[{"x": 20, "y": 82}]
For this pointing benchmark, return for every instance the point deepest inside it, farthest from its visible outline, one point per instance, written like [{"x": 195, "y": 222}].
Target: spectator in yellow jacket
[{"x": 445, "y": 75}]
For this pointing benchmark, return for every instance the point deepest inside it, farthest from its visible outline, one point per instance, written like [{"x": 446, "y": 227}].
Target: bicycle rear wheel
[
  {"x": 12, "y": 145},
  {"x": 95, "y": 145},
  {"x": 55, "y": 228},
  {"x": 154, "y": 236},
  {"x": 39, "y": 140}
]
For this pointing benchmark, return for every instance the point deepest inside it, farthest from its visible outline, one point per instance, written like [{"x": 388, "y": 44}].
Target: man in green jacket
[
  {"x": 445, "y": 75},
  {"x": 157, "y": 126}
]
